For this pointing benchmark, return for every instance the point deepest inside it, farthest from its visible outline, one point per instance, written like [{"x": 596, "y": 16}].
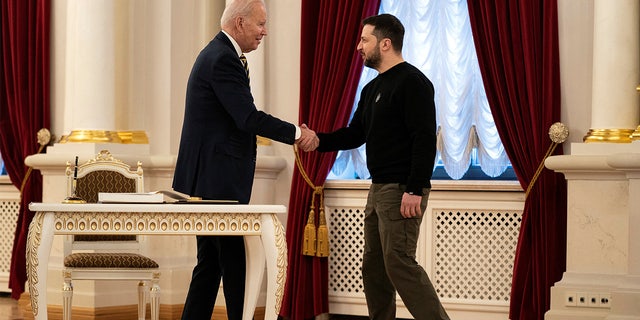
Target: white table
[{"x": 263, "y": 235}]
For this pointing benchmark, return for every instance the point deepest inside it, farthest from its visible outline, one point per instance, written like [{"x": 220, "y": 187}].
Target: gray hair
[{"x": 238, "y": 8}]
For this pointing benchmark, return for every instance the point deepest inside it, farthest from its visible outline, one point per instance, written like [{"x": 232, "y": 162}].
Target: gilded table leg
[
  {"x": 275, "y": 249},
  {"x": 39, "y": 242}
]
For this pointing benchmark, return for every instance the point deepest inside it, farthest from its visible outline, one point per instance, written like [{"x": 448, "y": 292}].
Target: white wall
[
  {"x": 575, "y": 32},
  {"x": 283, "y": 79}
]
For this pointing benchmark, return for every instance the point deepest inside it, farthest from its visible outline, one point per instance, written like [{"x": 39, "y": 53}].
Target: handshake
[{"x": 308, "y": 140}]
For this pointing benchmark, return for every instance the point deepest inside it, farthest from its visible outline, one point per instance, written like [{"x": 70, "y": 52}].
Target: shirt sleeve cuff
[
  {"x": 298, "y": 133},
  {"x": 414, "y": 190}
]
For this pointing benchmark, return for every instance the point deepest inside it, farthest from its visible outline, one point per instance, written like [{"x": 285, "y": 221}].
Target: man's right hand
[{"x": 308, "y": 140}]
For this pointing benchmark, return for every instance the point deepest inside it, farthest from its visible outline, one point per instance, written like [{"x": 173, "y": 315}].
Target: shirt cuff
[
  {"x": 298, "y": 133},
  {"x": 414, "y": 190}
]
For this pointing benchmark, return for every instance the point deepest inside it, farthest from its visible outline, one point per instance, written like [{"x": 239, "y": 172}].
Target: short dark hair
[{"x": 387, "y": 26}]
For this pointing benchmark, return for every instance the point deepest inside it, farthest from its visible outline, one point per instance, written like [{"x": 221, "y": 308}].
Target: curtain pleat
[
  {"x": 517, "y": 47},
  {"x": 24, "y": 109},
  {"x": 330, "y": 68}
]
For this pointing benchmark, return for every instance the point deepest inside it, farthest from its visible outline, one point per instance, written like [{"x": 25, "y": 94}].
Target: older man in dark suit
[{"x": 217, "y": 153}]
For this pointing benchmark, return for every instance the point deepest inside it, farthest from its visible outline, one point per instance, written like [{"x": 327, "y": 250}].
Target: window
[
  {"x": 3, "y": 171},
  {"x": 438, "y": 41}
]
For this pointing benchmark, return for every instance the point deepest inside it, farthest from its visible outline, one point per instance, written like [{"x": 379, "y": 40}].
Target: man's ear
[
  {"x": 239, "y": 23},
  {"x": 386, "y": 45}
]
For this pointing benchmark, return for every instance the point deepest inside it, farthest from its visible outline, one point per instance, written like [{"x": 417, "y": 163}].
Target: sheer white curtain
[{"x": 439, "y": 42}]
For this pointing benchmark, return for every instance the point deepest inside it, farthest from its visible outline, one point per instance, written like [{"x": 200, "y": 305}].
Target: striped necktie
[{"x": 243, "y": 59}]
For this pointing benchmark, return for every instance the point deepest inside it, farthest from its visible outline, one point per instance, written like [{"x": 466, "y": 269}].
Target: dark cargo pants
[{"x": 389, "y": 261}]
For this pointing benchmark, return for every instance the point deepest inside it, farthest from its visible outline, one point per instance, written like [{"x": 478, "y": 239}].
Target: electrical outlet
[
  {"x": 605, "y": 300},
  {"x": 570, "y": 299},
  {"x": 593, "y": 300},
  {"x": 582, "y": 299},
  {"x": 587, "y": 299}
]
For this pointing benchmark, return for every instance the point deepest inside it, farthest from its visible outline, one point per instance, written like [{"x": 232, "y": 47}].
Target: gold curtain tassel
[
  {"x": 323, "y": 236},
  {"x": 309, "y": 239},
  {"x": 316, "y": 240}
]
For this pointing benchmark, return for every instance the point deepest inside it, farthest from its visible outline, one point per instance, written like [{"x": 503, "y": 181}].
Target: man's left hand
[
  {"x": 410, "y": 206},
  {"x": 308, "y": 140}
]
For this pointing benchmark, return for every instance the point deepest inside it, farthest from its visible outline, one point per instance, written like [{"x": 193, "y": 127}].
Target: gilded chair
[{"x": 107, "y": 257}]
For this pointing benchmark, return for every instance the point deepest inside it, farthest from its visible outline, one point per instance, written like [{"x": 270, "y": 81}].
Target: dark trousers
[
  {"x": 219, "y": 257},
  {"x": 389, "y": 260}
]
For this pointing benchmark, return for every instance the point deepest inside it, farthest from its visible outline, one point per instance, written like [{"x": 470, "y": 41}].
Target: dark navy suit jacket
[{"x": 217, "y": 154}]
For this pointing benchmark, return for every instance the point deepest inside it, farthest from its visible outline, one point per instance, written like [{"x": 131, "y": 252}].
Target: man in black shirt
[{"x": 396, "y": 117}]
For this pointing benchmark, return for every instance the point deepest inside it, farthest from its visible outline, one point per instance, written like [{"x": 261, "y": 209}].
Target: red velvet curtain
[
  {"x": 330, "y": 69},
  {"x": 517, "y": 47},
  {"x": 24, "y": 109}
]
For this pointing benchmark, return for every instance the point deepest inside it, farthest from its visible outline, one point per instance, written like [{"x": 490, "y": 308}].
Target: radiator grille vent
[
  {"x": 474, "y": 253},
  {"x": 8, "y": 219},
  {"x": 346, "y": 240}
]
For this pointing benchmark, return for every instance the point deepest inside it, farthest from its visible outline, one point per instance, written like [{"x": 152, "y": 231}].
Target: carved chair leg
[
  {"x": 142, "y": 300},
  {"x": 155, "y": 297},
  {"x": 67, "y": 295}
]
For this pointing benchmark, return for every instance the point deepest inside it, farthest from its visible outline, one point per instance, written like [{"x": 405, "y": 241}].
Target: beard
[{"x": 373, "y": 60}]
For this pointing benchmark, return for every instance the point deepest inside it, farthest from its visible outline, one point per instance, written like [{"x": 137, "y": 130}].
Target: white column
[
  {"x": 90, "y": 66},
  {"x": 616, "y": 65}
]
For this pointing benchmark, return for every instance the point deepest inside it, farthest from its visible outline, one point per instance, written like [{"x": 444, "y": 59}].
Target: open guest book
[{"x": 161, "y": 196}]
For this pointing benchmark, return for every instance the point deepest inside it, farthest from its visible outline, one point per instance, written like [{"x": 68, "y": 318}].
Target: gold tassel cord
[
  {"x": 316, "y": 240},
  {"x": 44, "y": 137},
  {"x": 26, "y": 176},
  {"x": 552, "y": 147},
  {"x": 558, "y": 134}
]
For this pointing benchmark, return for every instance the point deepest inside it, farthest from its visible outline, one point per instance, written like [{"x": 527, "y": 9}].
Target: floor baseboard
[{"x": 167, "y": 312}]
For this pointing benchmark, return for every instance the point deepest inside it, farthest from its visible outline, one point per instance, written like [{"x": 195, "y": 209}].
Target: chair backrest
[{"x": 104, "y": 173}]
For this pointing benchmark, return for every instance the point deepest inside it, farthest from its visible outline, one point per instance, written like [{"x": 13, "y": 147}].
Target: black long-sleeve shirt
[{"x": 396, "y": 117}]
